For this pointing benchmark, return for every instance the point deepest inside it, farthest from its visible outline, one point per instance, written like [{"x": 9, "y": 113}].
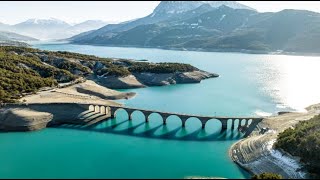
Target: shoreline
[
  {"x": 256, "y": 155},
  {"x": 60, "y": 105},
  {"x": 243, "y": 51}
]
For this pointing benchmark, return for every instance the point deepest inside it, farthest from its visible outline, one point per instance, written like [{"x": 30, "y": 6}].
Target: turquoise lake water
[{"x": 249, "y": 85}]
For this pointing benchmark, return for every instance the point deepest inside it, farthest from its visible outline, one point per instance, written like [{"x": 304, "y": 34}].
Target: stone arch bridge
[
  {"x": 76, "y": 113},
  {"x": 111, "y": 111}
]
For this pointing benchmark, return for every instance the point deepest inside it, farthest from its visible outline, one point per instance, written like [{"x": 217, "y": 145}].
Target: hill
[{"x": 200, "y": 26}]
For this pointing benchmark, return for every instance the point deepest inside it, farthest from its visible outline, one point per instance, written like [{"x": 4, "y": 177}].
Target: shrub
[{"x": 267, "y": 176}]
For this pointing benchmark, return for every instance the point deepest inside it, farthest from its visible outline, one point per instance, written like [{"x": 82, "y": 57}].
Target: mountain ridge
[
  {"x": 51, "y": 28},
  {"x": 209, "y": 28}
]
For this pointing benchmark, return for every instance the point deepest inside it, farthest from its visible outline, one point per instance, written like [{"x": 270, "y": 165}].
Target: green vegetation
[
  {"x": 303, "y": 141},
  {"x": 267, "y": 176},
  {"x": 71, "y": 66},
  {"x": 16, "y": 78},
  {"x": 66, "y": 54},
  {"x": 161, "y": 67},
  {"x": 114, "y": 71},
  {"x": 26, "y": 70}
]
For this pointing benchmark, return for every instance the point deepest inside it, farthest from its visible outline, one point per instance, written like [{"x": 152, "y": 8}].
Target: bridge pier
[
  {"x": 232, "y": 124},
  {"x": 224, "y": 124},
  {"x": 183, "y": 120},
  {"x": 164, "y": 122},
  {"x": 239, "y": 125},
  {"x": 164, "y": 118},
  {"x": 247, "y": 123},
  {"x": 183, "y": 124},
  {"x": 203, "y": 126}
]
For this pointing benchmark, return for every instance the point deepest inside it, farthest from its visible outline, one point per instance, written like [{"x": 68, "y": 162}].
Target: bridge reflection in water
[{"x": 164, "y": 125}]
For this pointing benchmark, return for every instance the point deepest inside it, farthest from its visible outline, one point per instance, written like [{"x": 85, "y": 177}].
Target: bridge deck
[{"x": 186, "y": 115}]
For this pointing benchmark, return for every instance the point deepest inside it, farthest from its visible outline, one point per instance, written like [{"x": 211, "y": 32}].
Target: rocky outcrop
[
  {"x": 114, "y": 82},
  {"x": 23, "y": 119},
  {"x": 153, "y": 79},
  {"x": 29, "y": 117},
  {"x": 138, "y": 80}
]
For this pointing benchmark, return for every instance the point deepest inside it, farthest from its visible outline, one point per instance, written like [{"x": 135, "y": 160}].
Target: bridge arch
[
  {"x": 108, "y": 110},
  {"x": 230, "y": 123},
  {"x": 118, "y": 110},
  {"x": 213, "y": 125},
  {"x": 242, "y": 123},
  {"x": 91, "y": 108},
  {"x": 97, "y": 109},
  {"x": 153, "y": 114},
  {"x": 172, "y": 116},
  {"x": 193, "y": 120},
  {"x": 103, "y": 110},
  {"x": 236, "y": 124},
  {"x": 138, "y": 113}
]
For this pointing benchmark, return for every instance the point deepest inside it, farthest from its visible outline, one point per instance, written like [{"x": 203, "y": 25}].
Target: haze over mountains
[
  {"x": 52, "y": 28},
  {"x": 213, "y": 25}
]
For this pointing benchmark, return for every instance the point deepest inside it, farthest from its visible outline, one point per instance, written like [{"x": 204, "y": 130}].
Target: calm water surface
[{"x": 249, "y": 85}]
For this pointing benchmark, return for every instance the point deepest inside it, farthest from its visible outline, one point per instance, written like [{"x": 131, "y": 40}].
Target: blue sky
[{"x": 12, "y": 12}]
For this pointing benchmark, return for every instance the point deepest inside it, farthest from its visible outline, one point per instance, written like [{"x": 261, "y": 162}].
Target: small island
[{"x": 29, "y": 75}]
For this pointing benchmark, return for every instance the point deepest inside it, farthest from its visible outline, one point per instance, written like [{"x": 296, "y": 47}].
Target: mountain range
[
  {"x": 213, "y": 26},
  {"x": 9, "y": 36},
  {"x": 52, "y": 28}
]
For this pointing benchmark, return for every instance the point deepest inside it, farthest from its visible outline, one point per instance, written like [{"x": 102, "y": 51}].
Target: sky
[{"x": 13, "y": 12}]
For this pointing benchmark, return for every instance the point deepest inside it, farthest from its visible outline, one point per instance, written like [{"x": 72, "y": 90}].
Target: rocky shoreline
[
  {"x": 141, "y": 80},
  {"x": 256, "y": 154},
  {"x": 37, "y": 116},
  {"x": 23, "y": 119},
  {"x": 37, "y": 111},
  {"x": 65, "y": 99}
]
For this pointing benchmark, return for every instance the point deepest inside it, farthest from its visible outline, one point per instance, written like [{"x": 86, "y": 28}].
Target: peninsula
[{"x": 34, "y": 76}]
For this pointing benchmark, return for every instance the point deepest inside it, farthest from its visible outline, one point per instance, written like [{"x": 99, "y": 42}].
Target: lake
[{"x": 249, "y": 85}]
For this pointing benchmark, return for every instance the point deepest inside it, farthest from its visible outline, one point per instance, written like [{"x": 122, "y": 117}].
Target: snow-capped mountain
[
  {"x": 230, "y": 4},
  {"x": 52, "y": 28},
  {"x": 165, "y": 11},
  {"x": 41, "y": 28},
  {"x": 176, "y": 7},
  {"x": 50, "y": 21},
  {"x": 213, "y": 25}
]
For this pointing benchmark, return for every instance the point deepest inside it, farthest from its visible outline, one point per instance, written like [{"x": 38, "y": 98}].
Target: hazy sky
[{"x": 12, "y": 12}]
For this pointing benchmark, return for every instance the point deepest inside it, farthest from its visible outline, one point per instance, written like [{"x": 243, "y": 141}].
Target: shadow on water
[{"x": 173, "y": 130}]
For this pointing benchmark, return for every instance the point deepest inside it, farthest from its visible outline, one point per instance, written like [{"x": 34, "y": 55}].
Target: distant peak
[
  {"x": 50, "y": 20},
  {"x": 176, "y": 7}
]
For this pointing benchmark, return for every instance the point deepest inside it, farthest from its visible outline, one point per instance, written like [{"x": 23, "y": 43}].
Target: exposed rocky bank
[
  {"x": 256, "y": 153},
  {"x": 36, "y": 116},
  {"x": 144, "y": 79}
]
